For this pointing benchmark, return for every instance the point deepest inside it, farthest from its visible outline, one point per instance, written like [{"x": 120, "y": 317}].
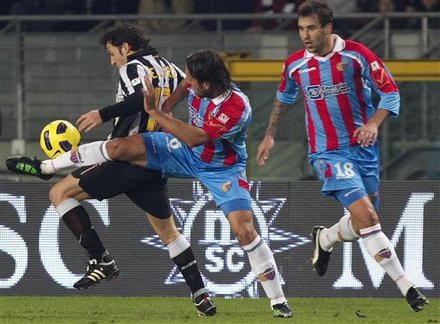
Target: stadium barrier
[{"x": 39, "y": 255}]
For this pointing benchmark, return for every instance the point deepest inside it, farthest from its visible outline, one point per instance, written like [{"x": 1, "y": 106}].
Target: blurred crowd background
[{"x": 151, "y": 7}]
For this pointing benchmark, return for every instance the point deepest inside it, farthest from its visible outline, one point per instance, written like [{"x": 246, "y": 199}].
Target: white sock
[
  {"x": 178, "y": 246},
  {"x": 382, "y": 250},
  {"x": 66, "y": 205},
  {"x": 85, "y": 155},
  {"x": 264, "y": 266},
  {"x": 341, "y": 231}
]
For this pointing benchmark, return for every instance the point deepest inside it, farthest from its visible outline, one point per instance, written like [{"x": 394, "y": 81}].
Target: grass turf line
[{"x": 96, "y": 310}]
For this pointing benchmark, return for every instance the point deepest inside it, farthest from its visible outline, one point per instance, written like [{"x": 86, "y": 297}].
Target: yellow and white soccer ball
[{"x": 58, "y": 137}]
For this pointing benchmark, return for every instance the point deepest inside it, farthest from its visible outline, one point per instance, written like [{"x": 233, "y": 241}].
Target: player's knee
[
  {"x": 56, "y": 194},
  {"x": 115, "y": 148},
  {"x": 245, "y": 234},
  {"x": 368, "y": 218}
]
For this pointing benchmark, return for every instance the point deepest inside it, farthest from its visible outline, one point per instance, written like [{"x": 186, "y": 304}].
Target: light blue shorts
[
  {"x": 348, "y": 174},
  {"x": 227, "y": 185}
]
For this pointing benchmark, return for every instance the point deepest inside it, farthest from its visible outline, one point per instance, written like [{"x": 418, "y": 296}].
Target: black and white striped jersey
[{"x": 165, "y": 77}]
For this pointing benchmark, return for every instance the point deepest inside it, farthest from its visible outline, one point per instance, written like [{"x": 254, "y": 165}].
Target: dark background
[{"x": 145, "y": 268}]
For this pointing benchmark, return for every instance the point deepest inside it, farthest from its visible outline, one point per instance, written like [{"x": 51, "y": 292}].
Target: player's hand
[
  {"x": 149, "y": 97},
  {"x": 89, "y": 120},
  {"x": 367, "y": 134},
  {"x": 264, "y": 149}
]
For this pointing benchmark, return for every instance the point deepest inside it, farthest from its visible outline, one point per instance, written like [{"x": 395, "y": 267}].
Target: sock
[
  {"x": 341, "y": 231},
  {"x": 181, "y": 253},
  {"x": 264, "y": 266},
  {"x": 78, "y": 221},
  {"x": 382, "y": 250},
  {"x": 85, "y": 155}
]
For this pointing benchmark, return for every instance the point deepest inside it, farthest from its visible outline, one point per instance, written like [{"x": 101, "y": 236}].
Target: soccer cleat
[
  {"x": 205, "y": 306},
  {"x": 416, "y": 299},
  {"x": 320, "y": 258},
  {"x": 27, "y": 166},
  {"x": 97, "y": 272},
  {"x": 281, "y": 310}
]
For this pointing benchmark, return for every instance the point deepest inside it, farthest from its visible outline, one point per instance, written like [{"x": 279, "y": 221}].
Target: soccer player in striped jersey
[
  {"x": 131, "y": 54},
  {"x": 211, "y": 147},
  {"x": 336, "y": 77}
]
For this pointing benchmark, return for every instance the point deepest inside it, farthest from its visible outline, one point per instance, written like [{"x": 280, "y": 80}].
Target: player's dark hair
[
  {"x": 207, "y": 66},
  {"x": 125, "y": 32},
  {"x": 318, "y": 8}
]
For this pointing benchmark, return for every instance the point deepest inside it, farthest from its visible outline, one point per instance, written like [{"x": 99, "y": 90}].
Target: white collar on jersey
[
  {"x": 337, "y": 47},
  {"x": 222, "y": 97}
]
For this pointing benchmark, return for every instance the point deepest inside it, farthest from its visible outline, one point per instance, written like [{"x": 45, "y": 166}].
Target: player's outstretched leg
[
  {"x": 27, "y": 166},
  {"x": 416, "y": 299},
  {"x": 205, "y": 306},
  {"x": 98, "y": 271},
  {"x": 320, "y": 258}
]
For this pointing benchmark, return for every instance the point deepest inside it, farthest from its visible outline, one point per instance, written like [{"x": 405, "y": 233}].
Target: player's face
[
  {"x": 316, "y": 38},
  {"x": 201, "y": 89},
  {"x": 118, "y": 55}
]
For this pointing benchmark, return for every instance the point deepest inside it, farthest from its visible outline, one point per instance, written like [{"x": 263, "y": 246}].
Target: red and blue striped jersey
[
  {"x": 337, "y": 92},
  {"x": 225, "y": 119}
]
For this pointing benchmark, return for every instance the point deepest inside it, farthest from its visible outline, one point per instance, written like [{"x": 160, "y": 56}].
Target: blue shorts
[
  {"x": 348, "y": 174},
  {"x": 227, "y": 185}
]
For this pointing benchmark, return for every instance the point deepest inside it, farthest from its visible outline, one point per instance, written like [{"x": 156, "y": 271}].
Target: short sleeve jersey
[
  {"x": 225, "y": 119},
  {"x": 337, "y": 92}
]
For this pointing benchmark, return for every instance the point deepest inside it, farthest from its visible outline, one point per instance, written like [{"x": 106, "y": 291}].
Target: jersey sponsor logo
[
  {"x": 135, "y": 81},
  {"x": 313, "y": 68},
  {"x": 317, "y": 92},
  {"x": 222, "y": 253},
  {"x": 380, "y": 77},
  {"x": 194, "y": 117}
]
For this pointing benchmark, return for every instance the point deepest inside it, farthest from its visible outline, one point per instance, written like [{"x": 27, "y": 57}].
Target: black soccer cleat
[
  {"x": 320, "y": 258},
  {"x": 281, "y": 310},
  {"x": 26, "y": 166},
  {"x": 97, "y": 272},
  {"x": 204, "y": 305},
  {"x": 416, "y": 299}
]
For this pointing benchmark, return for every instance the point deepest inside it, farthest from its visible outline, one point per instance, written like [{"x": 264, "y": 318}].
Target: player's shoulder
[
  {"x": 295, "y": 56},
  {"x": 354, "y": 46}
]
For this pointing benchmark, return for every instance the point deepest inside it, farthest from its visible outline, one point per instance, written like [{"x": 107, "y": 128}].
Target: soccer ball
[{"x": 58, "y": 137}]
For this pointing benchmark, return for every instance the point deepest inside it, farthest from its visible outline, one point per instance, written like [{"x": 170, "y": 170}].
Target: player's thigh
[
  {"x": 228, "y": 187},
  {"x": 337, "y": 172},
  {"x": 152, "y": 195},
  {"x": 130, "y": 149},
  {"x": 109, "y": 179},
  {"x": 68, "y": 187}
]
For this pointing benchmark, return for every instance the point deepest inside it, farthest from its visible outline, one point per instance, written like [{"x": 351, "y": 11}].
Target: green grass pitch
[{"x": 97, "y": 309}]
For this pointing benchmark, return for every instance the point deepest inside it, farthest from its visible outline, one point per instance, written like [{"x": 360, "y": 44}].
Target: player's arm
[
  {"x": 367, "y": 134},
  {"x": 190, "y": 135},
  {"x": 278, "y": 111},
  {"x": 178, "y": 95},
  {"x": 383, "y": 84}
]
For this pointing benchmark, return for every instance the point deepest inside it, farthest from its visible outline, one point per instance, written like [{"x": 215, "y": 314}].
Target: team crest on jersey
[
  {"x": 341, "y": 66},
  {"x": 225, "y": 267},
  {"x": 227, "y": 186}
]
